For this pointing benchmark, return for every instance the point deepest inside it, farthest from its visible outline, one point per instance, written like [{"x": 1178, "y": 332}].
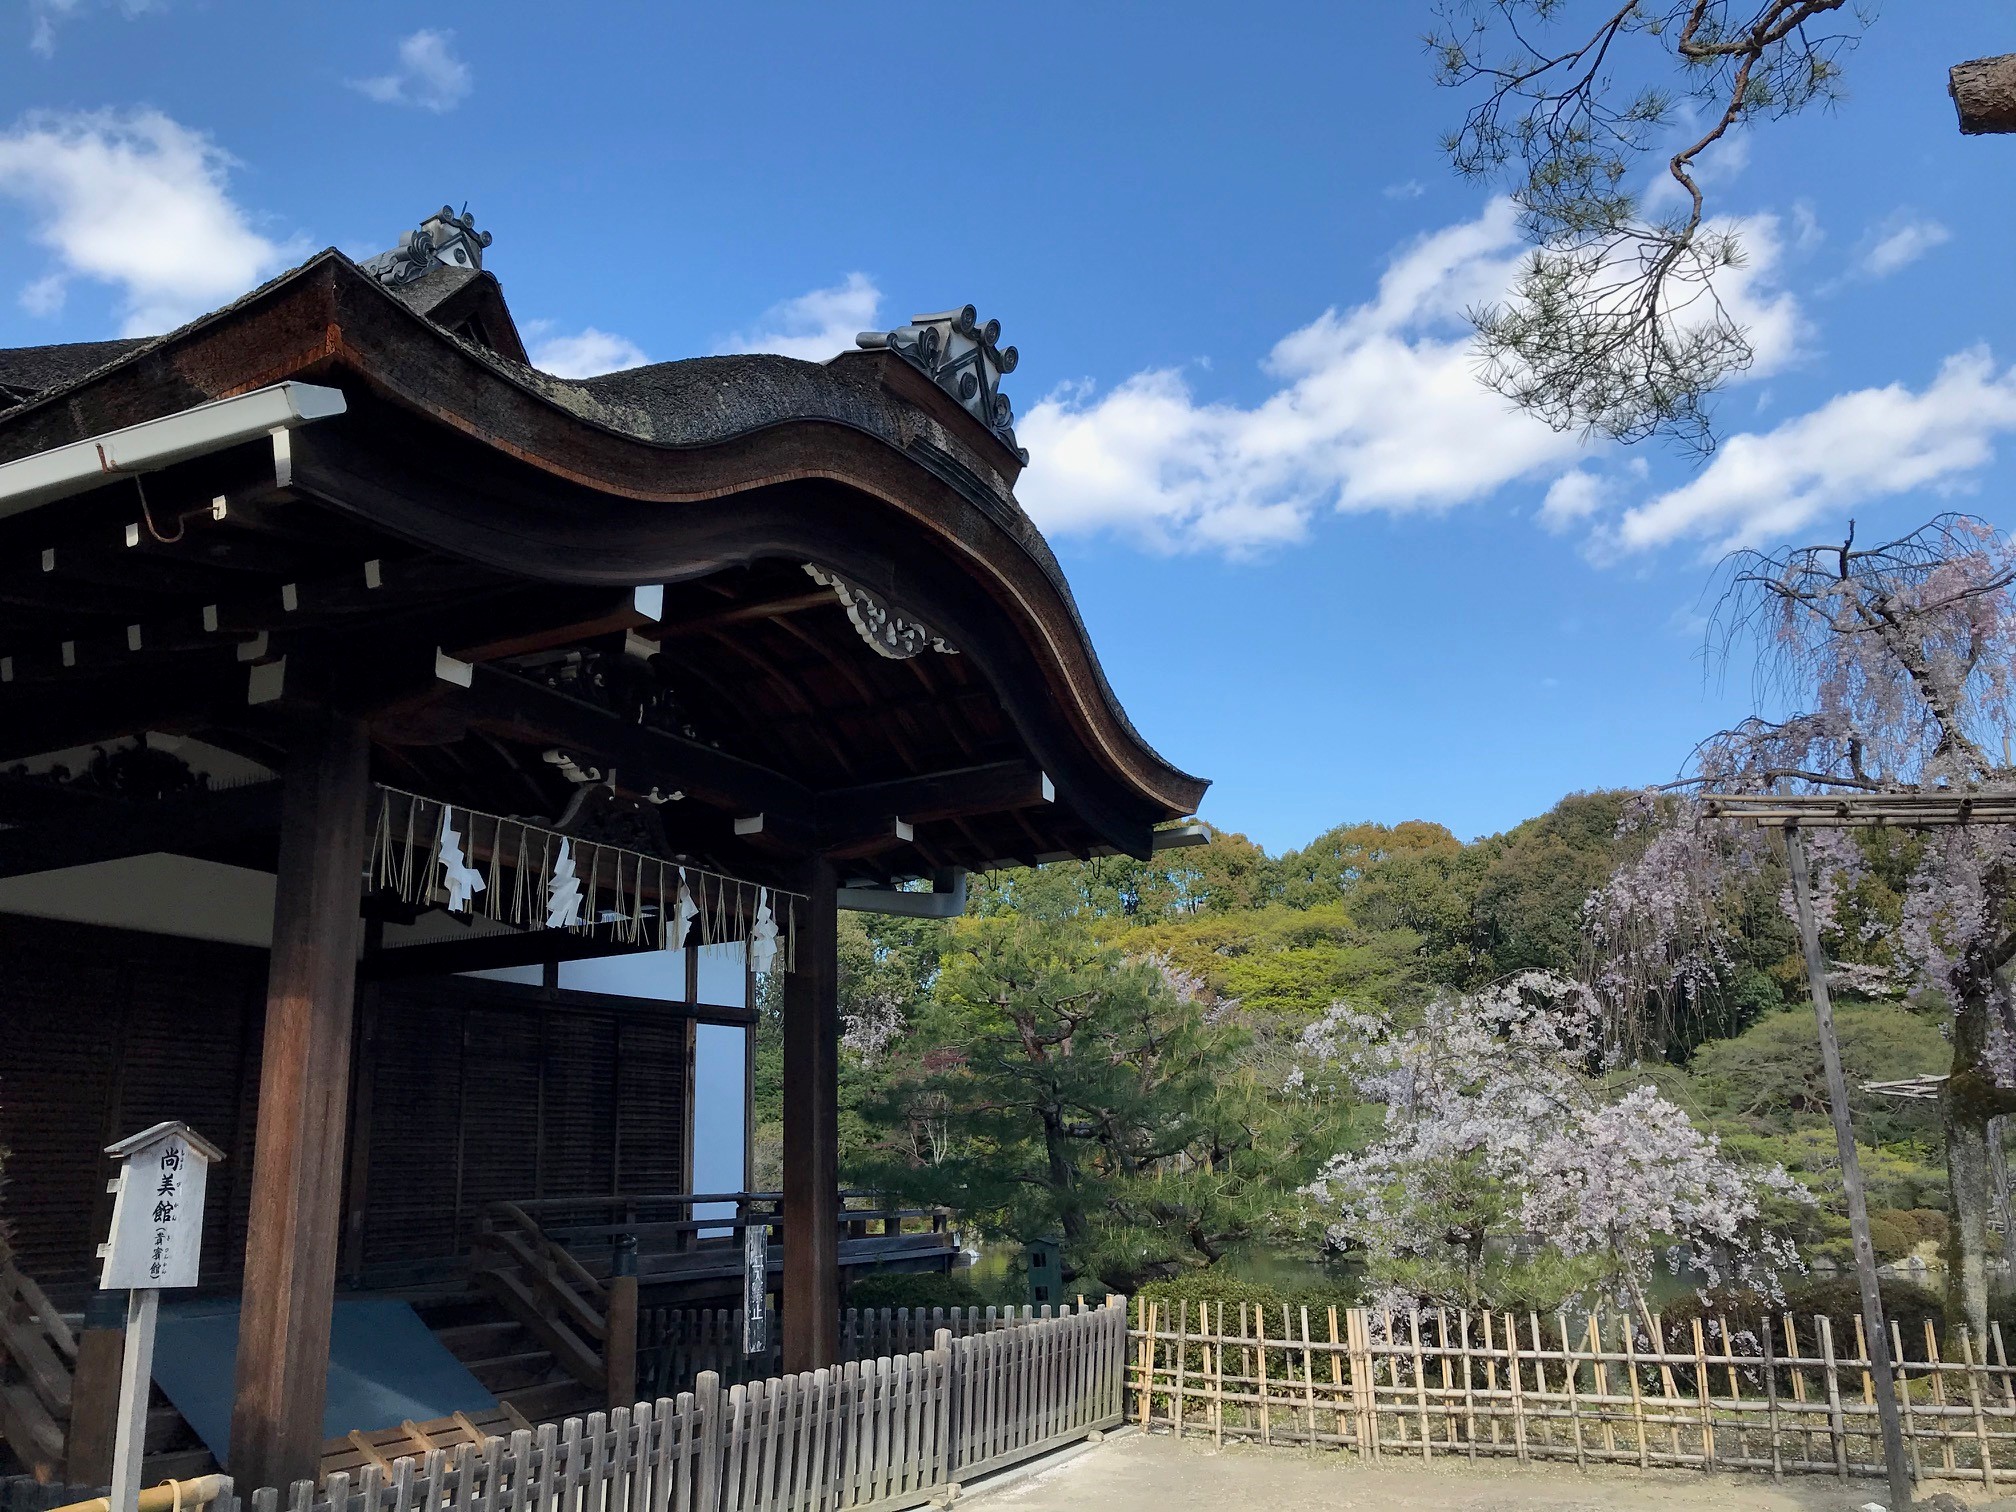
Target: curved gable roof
[{"x": 679, "y": 433}]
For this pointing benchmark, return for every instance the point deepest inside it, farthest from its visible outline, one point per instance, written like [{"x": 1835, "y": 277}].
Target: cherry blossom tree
[
  {"x": 1899, "y": 661},
  {"x": 1504, "y": 1120}
]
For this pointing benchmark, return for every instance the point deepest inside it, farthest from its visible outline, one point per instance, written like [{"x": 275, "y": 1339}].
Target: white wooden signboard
[
  {"x": 157, "y": 1217},
  {"x": 157, "y": 1242}
]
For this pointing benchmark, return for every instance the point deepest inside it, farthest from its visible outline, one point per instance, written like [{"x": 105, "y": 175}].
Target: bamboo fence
[{"x": 1773, "y": 1394}]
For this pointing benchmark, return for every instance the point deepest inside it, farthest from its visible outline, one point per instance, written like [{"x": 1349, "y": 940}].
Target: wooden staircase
[
  {"x": 38, "y": 1378},
  {"x": 513, "y": 1365}
]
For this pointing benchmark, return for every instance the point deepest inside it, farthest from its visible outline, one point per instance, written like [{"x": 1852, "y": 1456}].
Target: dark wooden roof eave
[{"x": 922, "y": 498}]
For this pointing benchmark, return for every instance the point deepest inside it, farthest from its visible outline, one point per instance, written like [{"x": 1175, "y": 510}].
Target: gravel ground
[{"x": 1139, "y": 1473}]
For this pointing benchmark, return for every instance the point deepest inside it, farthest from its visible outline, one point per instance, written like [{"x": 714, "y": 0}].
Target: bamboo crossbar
[{"x": 1771, "y": 1395}]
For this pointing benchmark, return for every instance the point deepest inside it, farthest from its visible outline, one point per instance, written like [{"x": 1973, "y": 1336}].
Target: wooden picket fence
[
  {"x": 868, "y": 1435},
  {"x": 1773, "y": 1395},
  {"x": 676, "y": 1344}
]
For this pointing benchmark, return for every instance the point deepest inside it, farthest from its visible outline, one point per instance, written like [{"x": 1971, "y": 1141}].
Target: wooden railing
[
  {"x": 676, "y": 1345},
  {"x": 38, "y": 1362},
  {"x": 569, "y": 1269},
  {"x": 863, "y": 1437},
  {"x": 1772, "y": 1394}
]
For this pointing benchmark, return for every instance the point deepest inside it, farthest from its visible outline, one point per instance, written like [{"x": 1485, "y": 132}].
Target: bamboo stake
[
  {"x": 1904, "y": 1388},
  {"x": 1491, "y": 1376},
  {"x": 1420, "y": 1383},
  {"x": 1337, "y": 1378},
  {"x": 1218, "y": 1380},
  {"x": 1974, "y": 1401},
  {"x": 1182, "y": 1354},
  {"x": 1309, "y": 1376},
  {"x": 1541, "y": 1388},
  {"x": 1260, "y": 1329},
  {"x": 1570, "y": 1369},
  {"x": 1701, "y": 1394},
  {"x": 1669, "y": 1387},
  {"x": 1602, "y": 1378},
  {"x": 1735, "y": 1387},
  {"x": 1837, "y": 1426},
  {"x": 1469, "y": 1385},
  {"x": 1518, "y": 1401},
  {"x": 1448, "y": 1409},
  {"x": 1938, "y": 1391},
  {"x": 1771, "y": 1399},
  {"x": 1799, "y": 1389},
  {"x": 2002, "y": 1365},
  {"x": 1624, "y": 1327}
]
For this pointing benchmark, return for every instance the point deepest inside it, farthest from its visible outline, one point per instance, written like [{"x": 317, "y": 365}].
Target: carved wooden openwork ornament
[
  {"x": 886, "y": 628},
  {"x": 963, "y": 357}
]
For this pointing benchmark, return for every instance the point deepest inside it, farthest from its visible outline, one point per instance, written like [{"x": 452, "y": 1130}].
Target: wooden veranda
[{"x": 685, "y": 656}]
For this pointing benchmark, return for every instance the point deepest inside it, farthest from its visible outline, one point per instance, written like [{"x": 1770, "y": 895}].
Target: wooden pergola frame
[{"x": 1792, "y": 814}]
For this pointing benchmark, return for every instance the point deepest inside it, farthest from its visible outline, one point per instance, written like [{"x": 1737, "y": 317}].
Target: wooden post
[
  {"x": 1851, "y": 1175},
  {"x": 94, "y": 1390},
  {"x": 619, "y": 1337},
  {"x": 136, "y": 1388},
  {"x": 297, "y": 1170},
  {"x": 812, "y": 1130}
]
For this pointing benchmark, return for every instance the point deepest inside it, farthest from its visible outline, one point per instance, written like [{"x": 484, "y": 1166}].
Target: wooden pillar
[
  {"x": 812, "y": 1131},
  {"x": 94, "y": 1390},
  {"x": 297, "y": 1172},
  {"x": 1873, "y": 1325}
]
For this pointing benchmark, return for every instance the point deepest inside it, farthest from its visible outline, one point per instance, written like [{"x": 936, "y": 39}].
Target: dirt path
[{"x": 1144, "y": 1474}]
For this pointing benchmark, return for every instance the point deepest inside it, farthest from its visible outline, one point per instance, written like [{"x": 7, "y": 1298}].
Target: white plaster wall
[{"x": 156, "y": 894}]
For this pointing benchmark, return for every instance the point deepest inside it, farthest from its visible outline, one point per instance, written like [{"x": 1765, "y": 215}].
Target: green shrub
[
  {"x": 1218, "y": 1288},
  {"x": 930, "y": 1289}
]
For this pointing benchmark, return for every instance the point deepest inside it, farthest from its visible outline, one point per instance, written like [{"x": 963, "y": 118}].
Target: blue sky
[{"x": 1322, "y": 567}]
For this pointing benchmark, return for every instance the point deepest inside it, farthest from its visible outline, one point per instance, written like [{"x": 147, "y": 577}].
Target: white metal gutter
[{"x": 82, "y": 465}]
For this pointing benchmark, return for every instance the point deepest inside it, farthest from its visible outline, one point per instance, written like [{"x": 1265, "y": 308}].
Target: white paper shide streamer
[
  {"x": 763, "y": 935},
  {"x": 459, "y": 879},
  {"x": 563, "y": 891}
]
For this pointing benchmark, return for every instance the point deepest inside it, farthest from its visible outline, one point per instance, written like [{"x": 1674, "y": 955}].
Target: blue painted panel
[{"x": 384, "y": 1367}]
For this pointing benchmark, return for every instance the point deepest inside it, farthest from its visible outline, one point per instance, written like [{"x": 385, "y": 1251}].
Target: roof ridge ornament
[
  {"x": 443, "y": 240},
  {"x": 962, "y": 357},
  {"x": 888, "y": 630}
]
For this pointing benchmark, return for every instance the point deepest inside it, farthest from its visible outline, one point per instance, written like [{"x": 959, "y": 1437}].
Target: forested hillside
[{"x": 1144, "y": 1059}]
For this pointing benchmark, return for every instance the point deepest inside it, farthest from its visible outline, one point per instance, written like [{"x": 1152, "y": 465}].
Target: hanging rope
[{"x": 406, "y": 861}]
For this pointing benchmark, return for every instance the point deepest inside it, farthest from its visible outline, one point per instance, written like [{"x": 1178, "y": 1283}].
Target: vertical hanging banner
[{"x": 755, "y": 1286}]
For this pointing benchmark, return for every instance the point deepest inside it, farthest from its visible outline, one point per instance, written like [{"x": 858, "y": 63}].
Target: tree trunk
[{"x": 1965, "y": 1119}]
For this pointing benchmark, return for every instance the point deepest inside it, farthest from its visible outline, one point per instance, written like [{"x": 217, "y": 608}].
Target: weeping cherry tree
[{"x": 1900, "y": 659}]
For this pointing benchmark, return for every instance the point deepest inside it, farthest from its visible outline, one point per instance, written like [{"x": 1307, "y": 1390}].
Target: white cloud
[
  {"x": 45, "y": 296},
  {"x": 429, "y": 75},
  {"x": 1412, "y": 189},
  {"x": 814, "y": 326},
  {"x": 1866, "y": 444},
  {"x": 139, "y": 201},
  {"x": 1898, "y": 243},
  {"x": 44, "y": 16},
  {"x": 585, "y": 353},
  {"x": 1376, "y": 408},
  {"x": 1574, "y": 497}
]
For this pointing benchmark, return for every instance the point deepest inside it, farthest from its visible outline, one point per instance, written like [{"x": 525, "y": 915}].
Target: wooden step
[
  {"x": 477, "y": 1341},
  {"x": 514, "y": 1372},
  {"x": 552, "y": 1400}
]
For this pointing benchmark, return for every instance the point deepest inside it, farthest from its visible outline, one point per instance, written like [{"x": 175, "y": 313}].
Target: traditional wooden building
[{"x": 377, "y": 712}]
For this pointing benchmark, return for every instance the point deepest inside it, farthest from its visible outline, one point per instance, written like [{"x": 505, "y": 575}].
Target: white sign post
[
  {"x": 755, "y": 1286},
  {"x": 157, "y": 1242}
]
